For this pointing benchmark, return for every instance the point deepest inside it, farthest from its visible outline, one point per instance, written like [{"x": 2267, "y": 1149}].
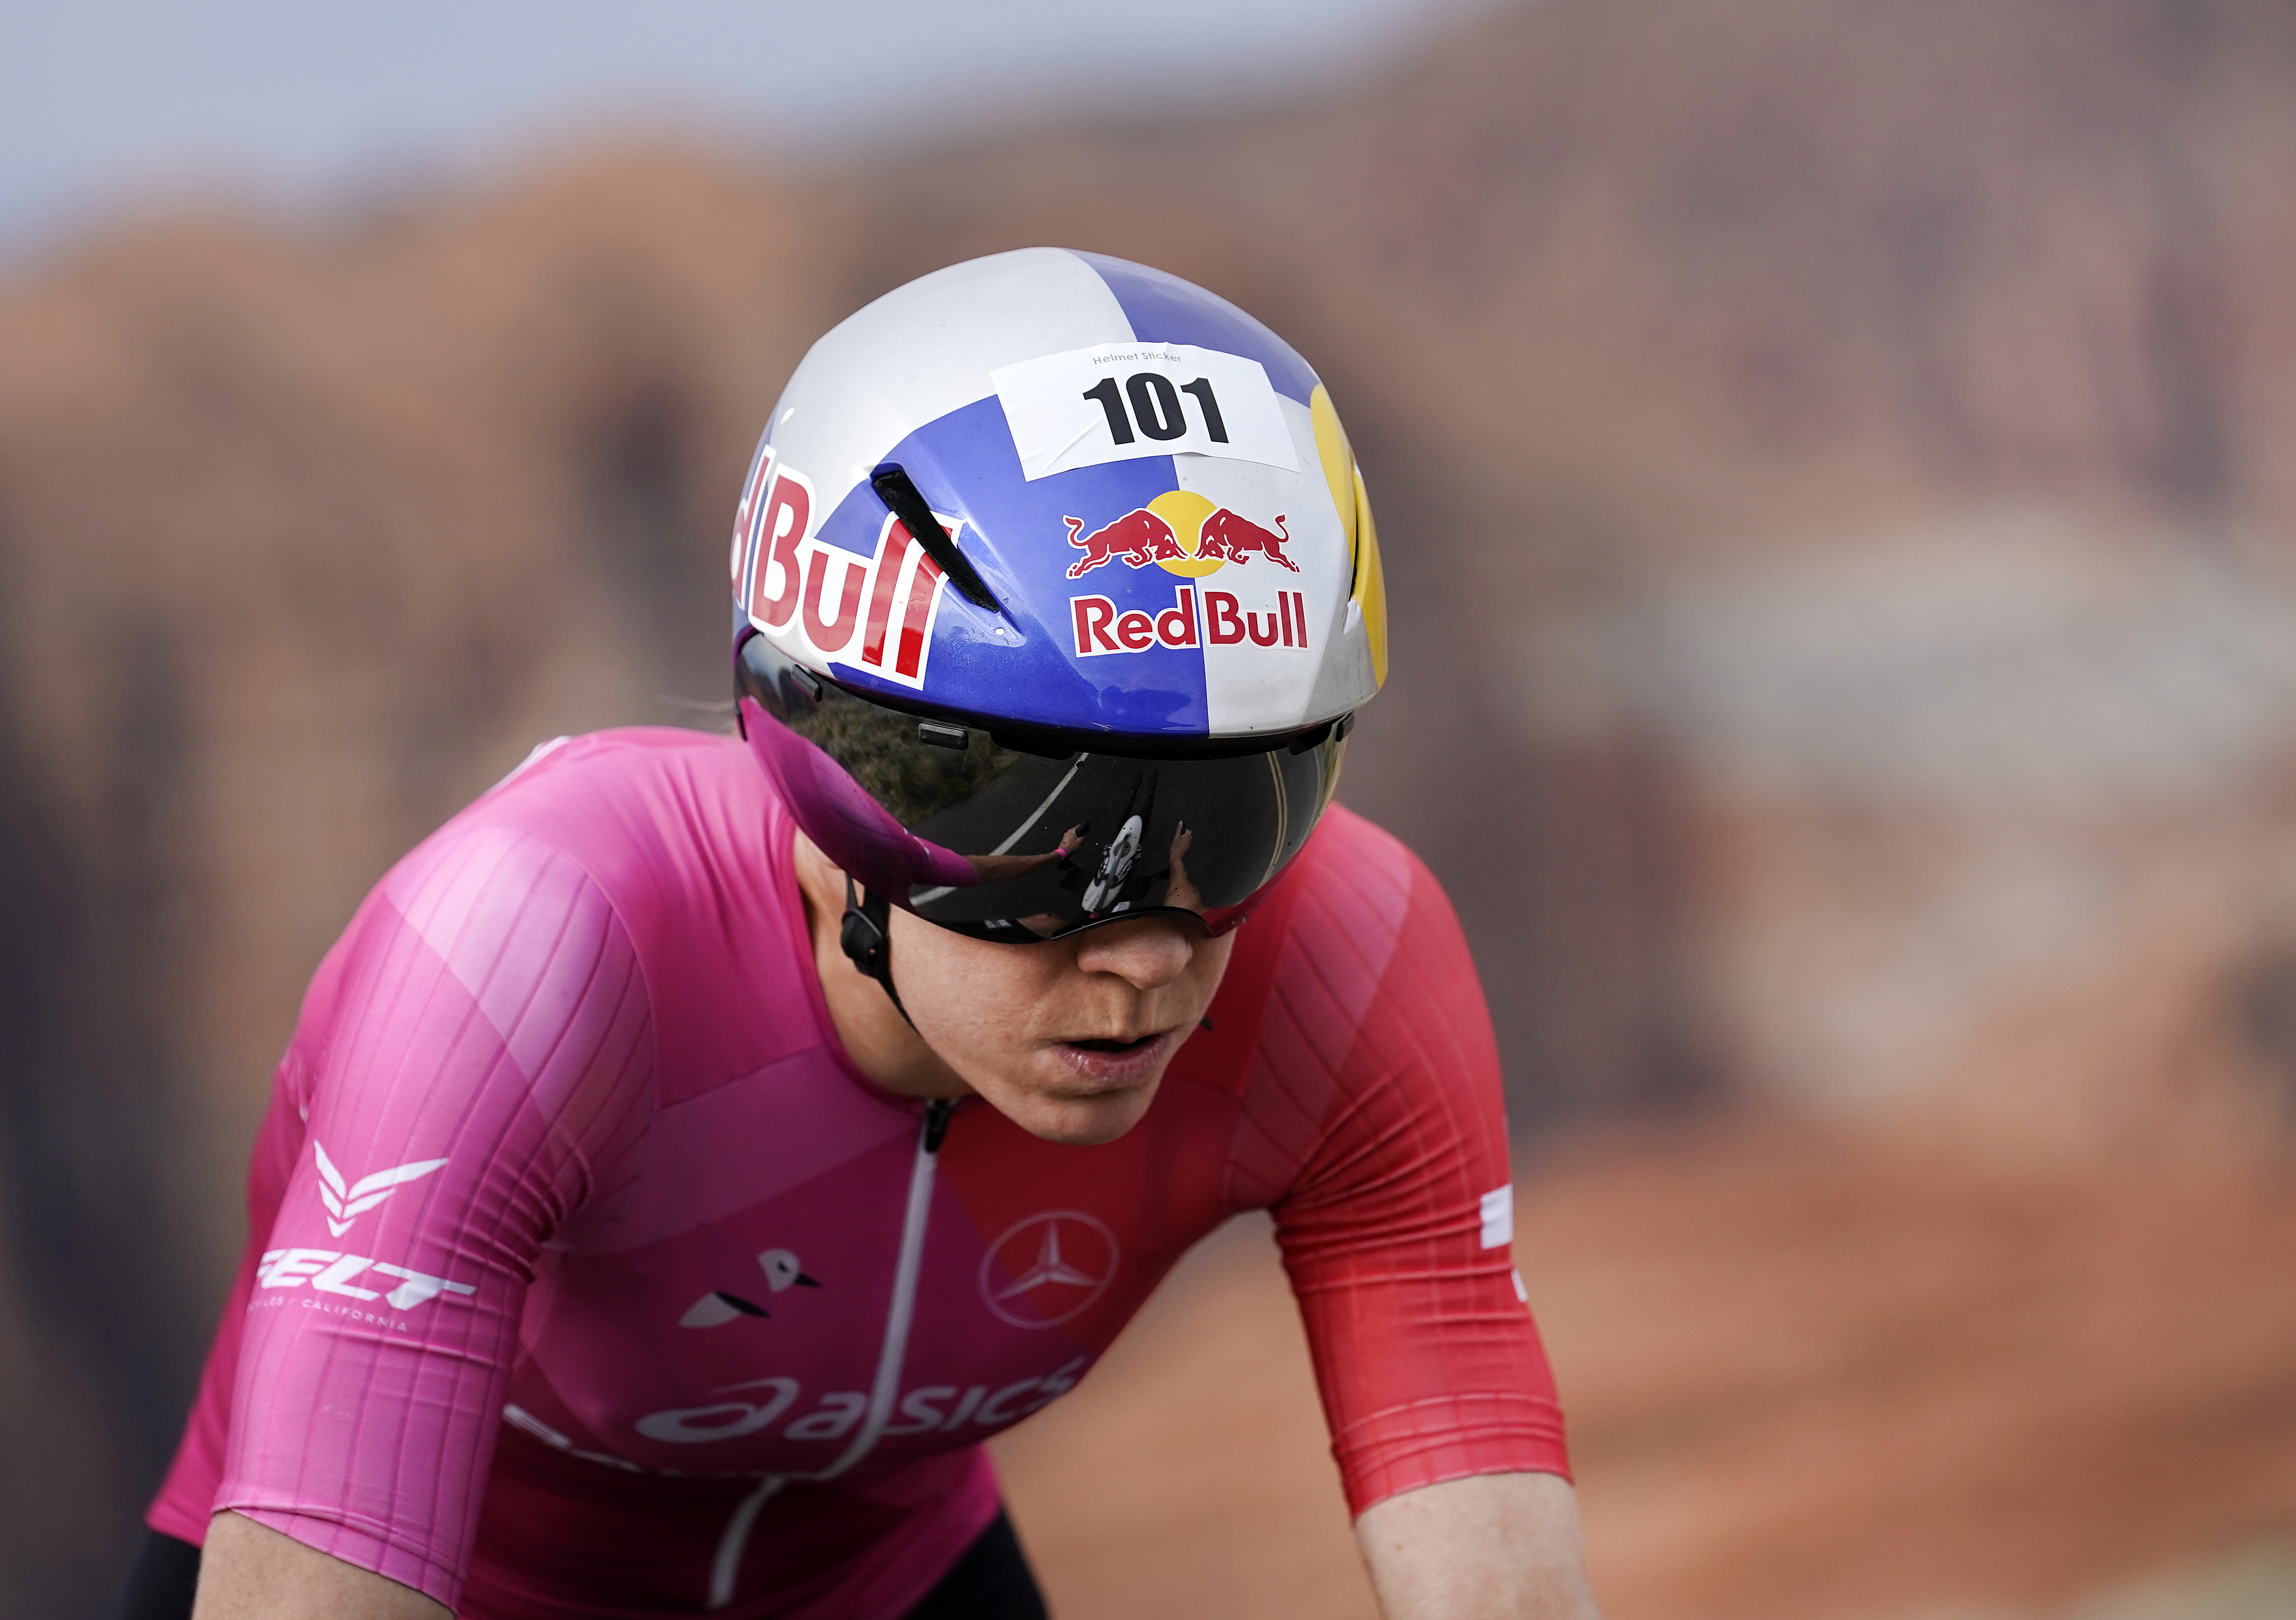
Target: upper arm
[
  {"x": 484, "y": 1049},
  {"x": 1397, "y": 1227}
]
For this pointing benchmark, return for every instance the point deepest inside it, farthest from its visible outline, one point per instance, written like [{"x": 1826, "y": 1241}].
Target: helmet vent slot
[{"x": 895, "y": 488}]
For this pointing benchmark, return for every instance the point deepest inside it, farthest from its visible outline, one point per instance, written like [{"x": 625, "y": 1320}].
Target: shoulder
[
  {"x": 604, "y": 787},
  {"x": 610, "y": 834},
  {"x": 597, "y": 816},
  {"x": 1357, "y": 900},
  {"x": 1349, "y": 940},
  {"x": 632, "y": 873},
  {"x": 678, "y": 838},
  {"x": 1352, "y": 1028},
  {"x": 657, "y": 818},
  {"x": 1356, "y": 884}
]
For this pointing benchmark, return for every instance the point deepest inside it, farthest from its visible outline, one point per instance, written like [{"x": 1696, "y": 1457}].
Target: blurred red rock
[
  {"x": 1811, "y": 1376},
  {"x": 1831, "y": 458}
]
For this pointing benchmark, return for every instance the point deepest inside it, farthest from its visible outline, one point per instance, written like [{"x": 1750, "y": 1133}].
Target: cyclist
[{"x": 694, "y": 1150}]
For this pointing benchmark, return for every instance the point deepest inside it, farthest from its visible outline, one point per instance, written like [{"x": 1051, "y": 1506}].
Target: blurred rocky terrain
[
  {"x": 1833, "y": 462},
  {"x": 1808, "y": 1378}
]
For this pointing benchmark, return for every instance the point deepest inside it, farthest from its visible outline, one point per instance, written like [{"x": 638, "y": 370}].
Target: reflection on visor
[{"x": 1000, "y": 842}]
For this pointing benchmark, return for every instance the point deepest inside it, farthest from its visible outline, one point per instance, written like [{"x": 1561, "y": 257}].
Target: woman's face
[{"x": 1068, "y": 1038}]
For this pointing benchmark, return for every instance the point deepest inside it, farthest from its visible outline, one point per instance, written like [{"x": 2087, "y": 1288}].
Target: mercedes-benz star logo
[{"x": 1048, "y": 1268}]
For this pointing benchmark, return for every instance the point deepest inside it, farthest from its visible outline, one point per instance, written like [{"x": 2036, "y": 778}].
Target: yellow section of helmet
[
  {"x": 1354, "y": 507},
  {"x": 1339, "y": 463},
  {"x": 1371, "y": 582}
]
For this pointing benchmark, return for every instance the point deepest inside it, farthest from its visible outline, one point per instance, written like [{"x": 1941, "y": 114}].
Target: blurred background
[{"x": 1836, "y": 461}]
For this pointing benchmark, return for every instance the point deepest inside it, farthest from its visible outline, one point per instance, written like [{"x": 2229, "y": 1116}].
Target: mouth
[{"x": 1115, "y": 1062}]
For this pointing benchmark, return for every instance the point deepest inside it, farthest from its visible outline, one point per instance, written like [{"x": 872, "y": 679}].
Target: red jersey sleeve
[{"x": 1377, "y": 1082}]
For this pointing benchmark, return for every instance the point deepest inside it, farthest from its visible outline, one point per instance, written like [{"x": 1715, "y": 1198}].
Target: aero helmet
[{"x": 1055, "y": 595}]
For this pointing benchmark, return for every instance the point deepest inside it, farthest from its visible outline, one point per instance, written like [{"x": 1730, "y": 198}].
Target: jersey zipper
[{"x": 886, "y": 1389}]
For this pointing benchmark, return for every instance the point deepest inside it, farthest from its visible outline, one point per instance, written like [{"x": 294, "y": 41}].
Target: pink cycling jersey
[{"x": 587, "y": 1274}]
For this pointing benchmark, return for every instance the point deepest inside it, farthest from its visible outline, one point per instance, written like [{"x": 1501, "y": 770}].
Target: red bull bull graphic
[
  {"x": 1233, "y": 539},
  {"x": 1140, "y": 537},
  {"x": 874, "y": 613},
  {"x": 1182, "y": 531}
]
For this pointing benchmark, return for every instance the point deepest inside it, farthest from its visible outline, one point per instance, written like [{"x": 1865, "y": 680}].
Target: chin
[{"x": 1082, "y": 1122}]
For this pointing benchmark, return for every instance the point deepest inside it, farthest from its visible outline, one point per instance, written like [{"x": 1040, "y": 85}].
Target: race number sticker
[{"x": 1122, "y": 401}]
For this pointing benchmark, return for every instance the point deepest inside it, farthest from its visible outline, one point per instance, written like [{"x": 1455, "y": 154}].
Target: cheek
[
  {"x": 992, "y": 1006},
  {"x": 968, "y": 996},
  {"x": 1210, "y": 964}
]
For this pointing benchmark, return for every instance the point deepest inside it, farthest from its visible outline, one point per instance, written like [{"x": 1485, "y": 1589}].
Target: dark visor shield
[{"x": 1021, "y": 837}]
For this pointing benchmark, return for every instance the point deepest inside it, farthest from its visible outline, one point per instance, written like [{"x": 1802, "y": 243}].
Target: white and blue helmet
[{"x": 1053, "y": 514}]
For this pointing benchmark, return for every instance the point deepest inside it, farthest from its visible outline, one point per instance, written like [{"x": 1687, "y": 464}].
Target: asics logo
[
  {"x": 942, "y": 1408},
  {"x": 1048, "y": 1268},
  {"x": 346, "y": 1201}
]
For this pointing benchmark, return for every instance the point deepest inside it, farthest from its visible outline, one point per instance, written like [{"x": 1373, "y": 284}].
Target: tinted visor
[{"x": 1025, "y": 834}]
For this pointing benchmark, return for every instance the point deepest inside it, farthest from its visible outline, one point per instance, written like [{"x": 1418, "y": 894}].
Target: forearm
[
  {"x": 1009, "y": 869},
  {"x": 1495, "y": 1547},
  {"x": 248, "y": 1572}
]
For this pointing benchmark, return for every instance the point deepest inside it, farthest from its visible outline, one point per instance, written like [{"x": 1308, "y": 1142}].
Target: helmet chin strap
[{"x": 868, "y": 942}]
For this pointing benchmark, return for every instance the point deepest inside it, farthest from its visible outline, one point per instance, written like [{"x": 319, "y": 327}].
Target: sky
[{"x": 109, "y": 106}]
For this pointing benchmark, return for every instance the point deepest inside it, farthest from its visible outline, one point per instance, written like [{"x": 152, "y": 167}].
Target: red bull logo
[
  {"x": 1227, "y": 622},
  {"x": 1233, "y": 539},
  {"x": 1100, "y": 627},
  {"x": 1181, "y": 532},
  {"x": 1213, "y": 618},
  {"x": 875, "y": 612},
  {"x": 1140, "y": 537}
]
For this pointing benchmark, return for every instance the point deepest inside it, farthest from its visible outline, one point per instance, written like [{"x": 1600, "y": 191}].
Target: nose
[{"x": 1147, "y": 954}]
